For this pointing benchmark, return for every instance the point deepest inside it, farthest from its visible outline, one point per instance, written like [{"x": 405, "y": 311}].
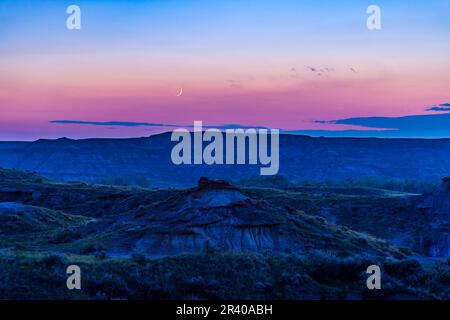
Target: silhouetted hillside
[{"x": 146, "y": 161}]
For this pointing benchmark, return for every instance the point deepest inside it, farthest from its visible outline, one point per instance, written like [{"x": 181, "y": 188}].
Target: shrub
[
  {"x": 101, "y": 254},
  {"x": 138, "y": 258},
  {"x": 52, "y": 260}
]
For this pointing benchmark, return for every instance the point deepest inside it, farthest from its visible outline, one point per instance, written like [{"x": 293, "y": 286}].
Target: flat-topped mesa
[{"x": 205, "y": 183}]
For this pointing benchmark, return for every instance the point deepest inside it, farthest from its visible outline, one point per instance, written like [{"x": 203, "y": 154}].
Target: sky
[{"x": 299, "y": 65}]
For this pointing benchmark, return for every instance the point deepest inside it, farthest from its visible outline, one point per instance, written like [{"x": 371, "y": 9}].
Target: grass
[
  {"x": 215, "y": 275},
  {"x": 324, "y": 260}
]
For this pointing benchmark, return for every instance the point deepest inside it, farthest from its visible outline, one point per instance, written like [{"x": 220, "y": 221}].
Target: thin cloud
[
  {"x": 321, "y": 71},
  {"x": 151, "y": 124},
  {"x": 112, "y": 123},
  {"x": 411, "y": 126},
  {"x": 234, "y": 83},
  {"x": 426, "y": 126},
  {"x": 441, "y": 107}
]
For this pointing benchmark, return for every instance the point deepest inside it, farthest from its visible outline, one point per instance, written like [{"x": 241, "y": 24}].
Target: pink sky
[{"x": 259, "y": 76}]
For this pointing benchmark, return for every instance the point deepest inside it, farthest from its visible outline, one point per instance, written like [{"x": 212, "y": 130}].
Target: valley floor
[{"x": 218, "y": 241}]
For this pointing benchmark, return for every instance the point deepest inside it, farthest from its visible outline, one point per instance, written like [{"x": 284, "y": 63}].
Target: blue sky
[{"x": 244, "y": 62}]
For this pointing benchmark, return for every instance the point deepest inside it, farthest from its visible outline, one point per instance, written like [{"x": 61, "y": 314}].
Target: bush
[
  {"x": 52, "y": 260},
  {"x": 402, "y": 269},
  {"x": 100, "y": 254},
  {"x": 138, "y": 258},
  {"x": 66, "y": 236}
]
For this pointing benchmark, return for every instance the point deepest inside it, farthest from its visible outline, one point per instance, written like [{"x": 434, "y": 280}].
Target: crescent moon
[{"x": 180, "y": 93}]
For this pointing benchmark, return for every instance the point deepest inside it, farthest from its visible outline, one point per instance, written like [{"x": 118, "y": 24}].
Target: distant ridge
[{"x": 301, "y": 158}]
